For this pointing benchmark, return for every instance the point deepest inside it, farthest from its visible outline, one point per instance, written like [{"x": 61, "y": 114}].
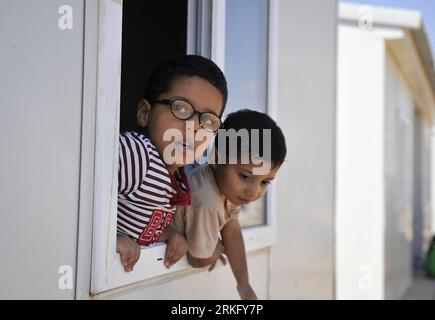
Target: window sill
[{"x": 150, "y": 264}]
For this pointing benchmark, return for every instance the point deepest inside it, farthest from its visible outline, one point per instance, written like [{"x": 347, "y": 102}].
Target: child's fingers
[
  {"x": 181, "y": 251},
  {"x": 212, "y": 266},
  {"x": 128, "y": 262},
  {"x": 131, "y": 263},
  {"x": 124, "y": 259},
  {"x": 125, "y": 262},
  {"x": 134, "y": 257},
  {"x": 178, "y": 255},
  {"x": 169, "y": 254},
  {"x": 222, "y": 259}
]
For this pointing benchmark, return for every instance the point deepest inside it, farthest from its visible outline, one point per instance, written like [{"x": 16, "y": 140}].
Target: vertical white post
[
  {"x": 107, "y": 127},
  {"x": 218, "y": 33},
  {"x": 272, "y": 85}
]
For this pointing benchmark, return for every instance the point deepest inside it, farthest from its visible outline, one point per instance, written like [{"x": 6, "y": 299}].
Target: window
[
  {"x": 132, "y": 31},
  {"x": 246, "y": 46},
  {"x": 194, "y": 35},
  {"x": 144, "y": 46},
  {"x": 246, "y": 56}
]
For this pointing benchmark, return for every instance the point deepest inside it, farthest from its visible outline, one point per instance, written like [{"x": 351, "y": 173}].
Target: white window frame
[{"x": 107, "y": 271}]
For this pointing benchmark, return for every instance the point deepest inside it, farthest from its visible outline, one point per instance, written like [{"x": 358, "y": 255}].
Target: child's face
[
  {"x": 203, "y": 96},
  {"x": 239, "y": 185}
]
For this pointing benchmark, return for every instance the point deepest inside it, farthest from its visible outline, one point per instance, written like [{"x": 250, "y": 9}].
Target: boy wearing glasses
[{"x": 187, "y": 95}]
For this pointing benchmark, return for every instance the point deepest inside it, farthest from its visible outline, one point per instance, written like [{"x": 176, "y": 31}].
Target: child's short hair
[
  {"x": 185, "y": 66},
  {"x": 249, "y": 120}
]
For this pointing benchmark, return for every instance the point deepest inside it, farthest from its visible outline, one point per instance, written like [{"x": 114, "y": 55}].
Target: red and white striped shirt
[{"x": 147, "y": 193}]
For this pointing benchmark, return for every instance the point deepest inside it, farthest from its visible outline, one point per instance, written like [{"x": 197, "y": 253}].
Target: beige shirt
[{"x": 208, "y": 214}]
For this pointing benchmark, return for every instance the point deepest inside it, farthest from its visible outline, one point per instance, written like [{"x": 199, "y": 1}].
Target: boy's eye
[
  {"x": 180, "y": 108},
  {"x": 244, "y": 177},
  {"x": 266, "y": 182}
]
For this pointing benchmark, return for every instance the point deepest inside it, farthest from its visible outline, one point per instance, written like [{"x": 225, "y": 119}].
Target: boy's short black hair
[
  {"x": 250, "y": 119},
  {"x": 185, "y": 66}
]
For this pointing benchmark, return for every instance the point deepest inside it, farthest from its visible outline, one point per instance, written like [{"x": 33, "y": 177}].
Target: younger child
[
  {"x": 184, "y": 93},
  {"x": 218, "y": 191}
]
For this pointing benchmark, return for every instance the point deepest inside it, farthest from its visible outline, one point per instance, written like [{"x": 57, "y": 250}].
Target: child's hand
[
  {"x": 176, "y": 248},
  {"x": 218, "y": 254},
  {"x": 246, "y": 292},
  {"x": 129, "y": 251}
]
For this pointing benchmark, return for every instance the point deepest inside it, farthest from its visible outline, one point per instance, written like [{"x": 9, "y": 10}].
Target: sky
[{"x": 426, "y": 7}]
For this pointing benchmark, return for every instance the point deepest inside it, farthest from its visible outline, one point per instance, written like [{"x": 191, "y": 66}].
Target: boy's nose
[
  {"x": 197, "y": 124},
  {"x": 252, "y": 192},
  {"x": 193, "y": 123}
]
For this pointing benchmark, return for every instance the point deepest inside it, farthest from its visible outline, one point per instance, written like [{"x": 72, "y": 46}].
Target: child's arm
[
  {"x": 129, "y": 251},
  {"x": 218, "y": 254},
  {"x": 211, "y": 261},
  {"x": 234, "y": 248},
  {"x": 130, "y": 176},
  {"x": 176, "y": 246}
]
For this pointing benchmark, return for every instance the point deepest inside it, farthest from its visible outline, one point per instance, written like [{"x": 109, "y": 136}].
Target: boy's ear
[{"x": 143, "y": 112}]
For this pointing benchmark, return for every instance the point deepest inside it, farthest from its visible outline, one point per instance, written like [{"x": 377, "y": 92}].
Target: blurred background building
[{"x": 385, "y": 105}]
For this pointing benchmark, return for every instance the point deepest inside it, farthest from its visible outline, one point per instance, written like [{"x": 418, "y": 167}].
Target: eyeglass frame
[{"x": 170, "y": 102}]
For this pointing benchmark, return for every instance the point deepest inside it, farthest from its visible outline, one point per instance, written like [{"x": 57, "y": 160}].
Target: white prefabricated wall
[
  {"x": 399, "y": 187},
  {"x": 360, "y": 182},
  {"x": 41, "y": 65},
  {"x": 422, "y": 190},
  {"x": 375, "y": 169},
  {"x": 302, "y": 260}
]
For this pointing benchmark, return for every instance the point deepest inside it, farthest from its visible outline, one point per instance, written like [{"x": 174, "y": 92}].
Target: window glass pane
[
  {"x": 246, "y": 54},
  {"x": 246, "y": 39},
  {"x": 254, "y": 213}
]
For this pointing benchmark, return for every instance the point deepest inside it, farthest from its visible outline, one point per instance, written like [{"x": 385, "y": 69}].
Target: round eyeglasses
[{"x": 183, "y": 110}]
